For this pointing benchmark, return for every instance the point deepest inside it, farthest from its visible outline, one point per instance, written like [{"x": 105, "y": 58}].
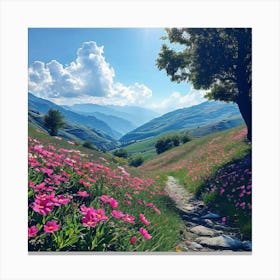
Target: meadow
[
  {"x": 76, "y": 204},
  {"x": 216, "y": 168},
  {"x": 85, "y": 200}
]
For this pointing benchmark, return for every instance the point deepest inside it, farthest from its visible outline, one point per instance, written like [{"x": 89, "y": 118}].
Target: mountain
[
  {"x": 201, "y": 115},
  {"x": 75, "y": 132},
  {"x": 42, "y": 105},
  {"x": 136, "y": 116},
  {"x": 120, "y": 125}
]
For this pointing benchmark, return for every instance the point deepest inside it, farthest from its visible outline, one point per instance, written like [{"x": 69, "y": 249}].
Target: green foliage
[
  {"x": 215, "y": 59},
  {"x": 136, "y": 160},
  {"x": 163, "y": 144},
  {"x": 53, "y": 121},
  {"x": 175, "y": 140},
  {"x": 166, "y": 143},
  {"x": 186, "y": 138},
  {"x": 88, "y": 144},
  {"x": 121, "y": 153}
]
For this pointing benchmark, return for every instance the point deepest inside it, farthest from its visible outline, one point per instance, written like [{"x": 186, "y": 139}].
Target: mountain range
[
  {"x": 114, "y": 120},
  {"x": 133, "y": 115},
  {"x": 109, "y": 126},
  {"x": 195, "y": 117}
]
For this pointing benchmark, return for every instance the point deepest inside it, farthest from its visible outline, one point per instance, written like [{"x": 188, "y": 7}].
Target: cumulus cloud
[
  {"x": 86, "y": 79},
  {"x": 178, "y": 100}
]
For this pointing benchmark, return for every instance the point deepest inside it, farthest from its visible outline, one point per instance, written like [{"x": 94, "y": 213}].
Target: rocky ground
[{"x": 204, "y": 230}]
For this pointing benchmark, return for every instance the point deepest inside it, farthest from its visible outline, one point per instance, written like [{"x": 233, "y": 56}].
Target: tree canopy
[
  {"x": 53, "y": 121},
  {"x": 218, "y": 60}
]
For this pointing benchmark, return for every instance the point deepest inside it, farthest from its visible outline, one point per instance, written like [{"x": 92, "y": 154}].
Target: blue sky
[{"x": 103, "y": 65}]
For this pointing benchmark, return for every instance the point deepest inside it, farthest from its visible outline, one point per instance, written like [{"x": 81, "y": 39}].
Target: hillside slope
[
  {"x": 75, "y": 132},
  {"x": 189, "y": 118},
  {"x": 42, "y": 105},
  {"x": 217, "y": 168}
]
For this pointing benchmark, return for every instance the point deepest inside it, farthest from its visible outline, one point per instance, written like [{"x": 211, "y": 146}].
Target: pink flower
[
  {"x": 37, "y": 187},
  {"x": 32, "y": 231},
  {"x": 104, "y": 198},
  {"x": 145, "y": 233},
  {"x": 83, "y": 193},
  {"x": 46, "y": 170},
  {"x": 157, "y": 210},
  {"x": 224, "y": 219},
  {"x": 129, "y": 218},
  {"x": 117, "y": 214},
  {"x": 51, "y": 226},
  {"x": 133, "y": 239},
  {"x": 92, "y": 216},
  {"x": 99, "y": 214},
  {"x": 86, "y": 184},
  {"x": 113, "y": 203},
  {"x": 140, "y": 202},
  {"x": 89, "y": 222},
  {"x": 222, "y": 191},
  {"x": 61, "y": 200},
  {"x": 144, "y": 220},
  {"x": 85, "y": 209},
  {"x": 128, "y": 202},
  {"x": 150, "y": 205},
  {"x": 43, "y": 204}
]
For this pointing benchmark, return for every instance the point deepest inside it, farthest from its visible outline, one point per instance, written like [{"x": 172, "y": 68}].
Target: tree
[
  {"x": 136, "y": 160},
  {"x": 218, "y": 60},
  {"x": 53, "y": 121},
  {"x": 163, "y": 144}
]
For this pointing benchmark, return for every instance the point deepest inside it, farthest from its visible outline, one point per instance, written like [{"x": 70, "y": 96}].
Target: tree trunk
[
  {"x": 245, "y": 107},
  {"x": 243, "y": 75}
]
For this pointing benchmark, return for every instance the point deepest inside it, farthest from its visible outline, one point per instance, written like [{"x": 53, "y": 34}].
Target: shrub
[
  {"x": 163, "y": 144},
  {"x": 88, "y": 144},
  {"x": 121, "y": 153},
  {"x": 136, "y": 160},
  {"x": 176, "y": 140},
  {"x": 186, "y": 138}
]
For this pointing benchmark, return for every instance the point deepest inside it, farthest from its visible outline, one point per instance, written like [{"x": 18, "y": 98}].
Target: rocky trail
[{"x": 204, "y": 230}]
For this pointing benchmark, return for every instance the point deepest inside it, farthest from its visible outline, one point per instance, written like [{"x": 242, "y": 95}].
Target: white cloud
[
  {"x": 178, "y": 100},
  {"x": 88, "y": 78}
]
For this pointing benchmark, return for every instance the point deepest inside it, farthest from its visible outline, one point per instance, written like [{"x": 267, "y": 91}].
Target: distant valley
[
  {"x": 109, "y": 127},
  {"x": 198, "y": 117}
]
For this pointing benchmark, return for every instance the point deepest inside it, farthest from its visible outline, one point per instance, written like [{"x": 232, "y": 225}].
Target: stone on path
[
  {"x": 211, "y": 216},
  {"x": 223, "y": 242},
  {"x": 204, "y": 231},
  {"x": 247, "y": 245},
  {"x": 194, "y": 246}
]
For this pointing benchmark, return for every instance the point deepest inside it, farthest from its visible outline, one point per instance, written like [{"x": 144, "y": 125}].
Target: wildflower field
[
  {"x": 75, "y": 204},
  {"x": 84, "y": 200},
  {"x": 217, "y": 168}
]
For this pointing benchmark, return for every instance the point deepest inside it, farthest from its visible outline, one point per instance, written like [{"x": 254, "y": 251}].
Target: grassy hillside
[
  {"x": 43, "y": 106},
  {"x": 147, "y": 146},
  {"x": 84, "y": 200},
  {"x": 217, "y": 168},
  {"x": 75, "y": 132},
  {"x": 193, "y": 117}
]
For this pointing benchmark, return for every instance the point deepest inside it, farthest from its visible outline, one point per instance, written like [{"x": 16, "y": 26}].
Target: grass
[
  {"x": 202, "y": 164},
  {"x": 66, "y": 186}
]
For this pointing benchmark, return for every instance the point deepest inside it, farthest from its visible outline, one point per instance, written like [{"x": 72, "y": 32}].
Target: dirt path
[{"x": 204, "y": 230}]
